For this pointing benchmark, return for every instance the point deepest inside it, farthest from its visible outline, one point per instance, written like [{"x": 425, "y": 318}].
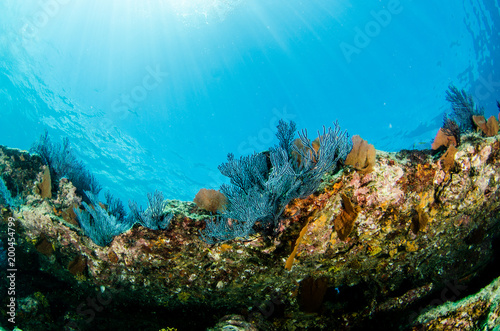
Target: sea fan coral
[
  {"x": 442, "y": 139},
  {"x": 98, "y": 224},
  {"x": 451, "y": 129},
  {"x": 63, "y": 163},
  {"x": 154, "y": 217},
  {"x": 5, "y": 196},
  {"x": 463, "y": 108},
  {"x": 263, "y": 184},
  {"x": 488, "y": 127},
  {"x": 247, "y": 172},
  {"x": 362, "y": 155},
  {"x": 115, "y": 206},
  {"x": 334, "y": 146},
  {"x": 223, "y": 228}
]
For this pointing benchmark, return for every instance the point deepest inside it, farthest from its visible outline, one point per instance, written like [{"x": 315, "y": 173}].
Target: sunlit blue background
[{"x": 154, "y": 94}]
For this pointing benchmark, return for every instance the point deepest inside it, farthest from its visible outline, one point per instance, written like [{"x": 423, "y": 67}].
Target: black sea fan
[
  {"x": 463, "y": 108},
  {"x": 451, "y": 128},
  {"x": 63, "y": 163}
]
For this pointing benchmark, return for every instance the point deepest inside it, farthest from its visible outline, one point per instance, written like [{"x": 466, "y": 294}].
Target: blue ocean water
[{"x": 154, "y": 94}]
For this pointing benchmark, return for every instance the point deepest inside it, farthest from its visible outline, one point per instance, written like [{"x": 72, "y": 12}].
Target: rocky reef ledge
[{"x": 411, "y": 245}]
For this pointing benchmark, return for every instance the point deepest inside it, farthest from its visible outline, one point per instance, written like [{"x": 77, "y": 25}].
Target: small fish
[{"x": 420, "y": 144}]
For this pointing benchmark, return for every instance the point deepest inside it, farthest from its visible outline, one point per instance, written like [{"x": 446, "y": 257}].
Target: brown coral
[
  {"x": 344, "y": 222},
  {"x": 44, "y": 246},
  {"x": 210, "y": 200},
  {"x": 419, "y": 221},
  {"x": 448, "y": 159},
  {"x": 442, "y": 139},
  {"x": 489, "y": 128},
  {"x": 44, "y": 187},
  {"x": 78, "y": 265},
  {"x": 311, "y": 293},
  {"x": 298, "y": 144},
  {"x": 362, "y": 155}
]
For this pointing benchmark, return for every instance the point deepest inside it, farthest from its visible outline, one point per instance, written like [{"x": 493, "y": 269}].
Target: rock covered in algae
[
  {"x": 480, "y": 311},
  {"x": 366, "y": 247}
]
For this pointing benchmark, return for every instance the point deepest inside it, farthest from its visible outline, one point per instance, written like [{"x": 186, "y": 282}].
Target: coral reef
[
  {"x": 19, "y": 171},
  {"x": 44, "y": 187},
  {"x": 463, "y": 108},
  {"x": 61, "y": 161},
  {"x": 489, "y": 128},
  {"x": 362, "y": 155},
  {"x": 443, "y": 139},
  {"x": 263, "y": 184},
  {"x": 154, "y": 217},
  {"x": 364, "y": 249},
  {"x": 451, "y": 129},
  {"x": 98, "y": 224},
  {"x": 480, "y": 311},
  {"x": 210, "y": 200}
]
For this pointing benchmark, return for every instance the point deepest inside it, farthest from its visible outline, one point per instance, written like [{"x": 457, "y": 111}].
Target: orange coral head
[
  {"x": 442, "y": 139},
  {"x": 480, "y": 122},
  {"x": 210, "y": 200},
  {"x": 489, "y": 128},
  {"x": 448, "y": 159},
  {"x": 344, "y": 222},
  {"x": 44, "y": 187},
  {"x": 492, "y": 127},
  {"x": 362, "y": 155}
]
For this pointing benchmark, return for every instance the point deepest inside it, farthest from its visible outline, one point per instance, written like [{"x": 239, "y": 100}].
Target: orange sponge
[
  {"x": 362, "y": 155},
  {"x": 442, "y": 139},
  {"x": 210, "y": 200},
  {"x": 489, "y": 128}
]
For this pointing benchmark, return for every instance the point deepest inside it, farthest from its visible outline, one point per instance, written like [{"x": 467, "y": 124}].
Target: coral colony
[{"x": 314, "y": 233}]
